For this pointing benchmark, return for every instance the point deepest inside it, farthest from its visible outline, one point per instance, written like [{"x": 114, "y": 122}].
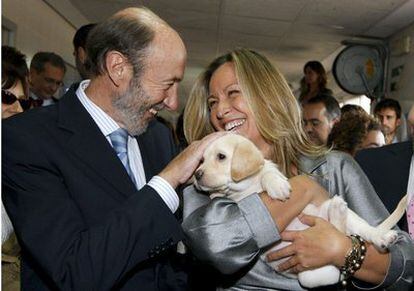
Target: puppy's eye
[
  {"x": 202, "y": 160},
  {"x": 221, "y": 156}
]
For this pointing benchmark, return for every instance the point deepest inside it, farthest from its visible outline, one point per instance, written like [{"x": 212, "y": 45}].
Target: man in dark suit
[
  {"x": 89, "y": 182},
  {"x": 388, "y": 170}
]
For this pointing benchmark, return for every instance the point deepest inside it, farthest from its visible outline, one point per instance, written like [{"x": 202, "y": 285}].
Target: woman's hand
[{"x": 321, "y": 244}]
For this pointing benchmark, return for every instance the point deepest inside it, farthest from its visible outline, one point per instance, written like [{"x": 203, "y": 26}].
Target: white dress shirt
[
  {"x": 46, "y": 102},
  {"x": 107, "y": 125},
  {"x": 6, "y": 225}
]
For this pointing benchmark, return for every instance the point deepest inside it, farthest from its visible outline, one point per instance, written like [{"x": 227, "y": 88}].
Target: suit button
[{"x": 151, "y": 254}]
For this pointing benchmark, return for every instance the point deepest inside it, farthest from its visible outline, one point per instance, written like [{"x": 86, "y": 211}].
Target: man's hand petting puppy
[{"x": 181, "y": 168}]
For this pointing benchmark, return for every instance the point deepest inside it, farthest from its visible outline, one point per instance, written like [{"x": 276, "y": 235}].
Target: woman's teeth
[{"x": 231, "y": 125}]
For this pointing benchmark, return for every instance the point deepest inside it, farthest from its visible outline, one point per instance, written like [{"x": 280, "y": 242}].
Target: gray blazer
[{"x": 230, "y": 236}]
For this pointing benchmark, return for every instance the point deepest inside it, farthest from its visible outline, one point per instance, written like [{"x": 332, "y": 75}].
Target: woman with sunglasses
[
  {"x": 14, "y": 86},
  {"x": 14, "y": 93}
]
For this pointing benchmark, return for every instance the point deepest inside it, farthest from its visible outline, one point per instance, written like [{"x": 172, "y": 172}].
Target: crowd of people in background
[
  {"x": 324, "y": 121},
  {"x": 309, "y": 137}
]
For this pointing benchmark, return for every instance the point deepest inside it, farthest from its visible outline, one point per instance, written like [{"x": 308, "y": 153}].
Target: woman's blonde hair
[{"x": 268, "y": 96}]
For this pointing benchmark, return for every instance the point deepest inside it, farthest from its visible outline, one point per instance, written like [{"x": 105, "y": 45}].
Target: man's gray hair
[
  {"x": 333, "y": 110},
  {"x": 129, "y": 32}
]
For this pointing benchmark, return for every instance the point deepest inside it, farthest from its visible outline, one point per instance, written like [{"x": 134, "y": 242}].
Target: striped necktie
[{"x": 119, "y": 140}]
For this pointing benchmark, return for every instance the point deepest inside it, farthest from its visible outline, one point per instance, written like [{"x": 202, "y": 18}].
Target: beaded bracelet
[{"x": 353, "y": 259}]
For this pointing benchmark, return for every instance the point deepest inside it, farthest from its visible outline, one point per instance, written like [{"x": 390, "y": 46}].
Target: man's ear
[
  {"x": 81, "y": 53},
  {"x": 246, "y": 161},
  {"x": 32, "y": 75},
  {"x": 117, "y": 67},
  {"x": 335, "y": 121},
  {"x": 398, "y": 122}
]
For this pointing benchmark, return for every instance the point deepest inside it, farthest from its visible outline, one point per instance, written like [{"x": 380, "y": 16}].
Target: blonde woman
[{"x": 242, "y": 92}]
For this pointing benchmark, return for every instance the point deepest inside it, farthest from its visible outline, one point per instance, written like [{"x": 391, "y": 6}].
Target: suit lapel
[
  {"x": 148, "y": 153},
  {"x": 90, "y": 146},
  {"x": 403, "y": 151}
]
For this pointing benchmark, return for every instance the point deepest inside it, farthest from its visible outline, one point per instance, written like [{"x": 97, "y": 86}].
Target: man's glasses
[{"x": 9, "y": 98}]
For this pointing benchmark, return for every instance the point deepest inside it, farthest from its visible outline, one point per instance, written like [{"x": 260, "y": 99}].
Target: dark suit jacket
[
  {"x": 81, "y": 222},
  {"x": 388, "y": 169}
]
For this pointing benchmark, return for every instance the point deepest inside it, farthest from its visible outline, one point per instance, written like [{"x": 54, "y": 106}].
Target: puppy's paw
[
  {"x": 276, "y": 184},
  {"x": 337, "y": 213},
  {"x": 384, "y": 239}
]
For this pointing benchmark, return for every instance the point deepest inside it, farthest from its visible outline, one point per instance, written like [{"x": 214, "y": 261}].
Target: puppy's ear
[{"x": 246, "y": 161}]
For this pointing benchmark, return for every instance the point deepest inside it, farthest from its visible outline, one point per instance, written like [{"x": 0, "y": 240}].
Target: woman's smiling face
[{"x": 228, "y": 108}]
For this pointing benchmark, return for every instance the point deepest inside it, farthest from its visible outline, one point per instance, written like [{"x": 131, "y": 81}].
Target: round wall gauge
[{"x": 358, "y": 69}]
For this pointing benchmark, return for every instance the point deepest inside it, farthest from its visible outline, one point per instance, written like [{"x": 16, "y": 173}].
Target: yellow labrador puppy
[{"x": 234, "y": 167}]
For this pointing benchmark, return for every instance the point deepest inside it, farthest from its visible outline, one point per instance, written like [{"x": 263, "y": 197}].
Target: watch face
[{"x": 358, "y": 69}]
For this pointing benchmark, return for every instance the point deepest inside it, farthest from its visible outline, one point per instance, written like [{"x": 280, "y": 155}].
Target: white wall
[
  {"x": 41, "y": 28},
  {"x": 404, "y": 82}
]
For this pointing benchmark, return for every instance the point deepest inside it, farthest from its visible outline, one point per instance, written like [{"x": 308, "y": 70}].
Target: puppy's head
[{"x": 226, "y": 162}]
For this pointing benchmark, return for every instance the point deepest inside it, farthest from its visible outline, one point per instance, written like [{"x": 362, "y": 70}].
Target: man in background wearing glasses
[{"x": 47, "y": 70}]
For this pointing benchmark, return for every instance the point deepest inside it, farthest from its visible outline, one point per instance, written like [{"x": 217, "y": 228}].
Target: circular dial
[{"x": 358, "y": 69}]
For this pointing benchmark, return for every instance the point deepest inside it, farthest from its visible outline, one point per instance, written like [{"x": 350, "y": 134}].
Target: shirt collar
[
  {"x": 105, "y": 122},
  {"x": 33, "y": 95}
]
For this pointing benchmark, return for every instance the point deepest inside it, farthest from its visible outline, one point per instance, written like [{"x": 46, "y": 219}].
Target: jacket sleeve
[
  {"x": 351, "y": 183},
  {"x": 225, "y": 234},
  {"x": 52, "y": 229}
]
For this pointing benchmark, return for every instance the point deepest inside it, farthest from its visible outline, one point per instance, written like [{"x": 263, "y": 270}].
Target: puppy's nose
[{"x": 198, "y": 174}]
